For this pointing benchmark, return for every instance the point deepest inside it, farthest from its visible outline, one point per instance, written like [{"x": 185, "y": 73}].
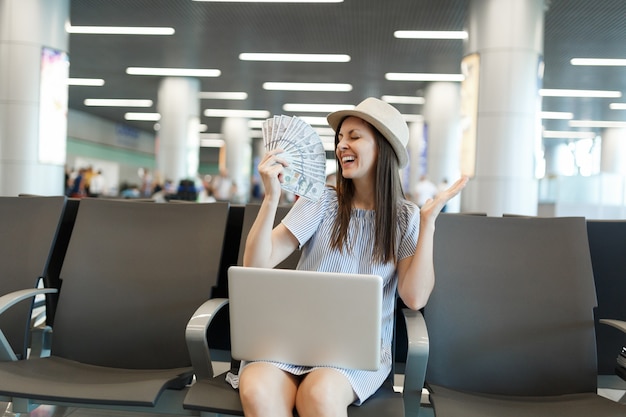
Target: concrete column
[
  {"x": 613, "y": 154},
  {"x": 34, "y": 68},
  {"x": 442, "y": 116},
  {"x": 507, "y": 37},
  {"x": 417, "y": 156},
  {"x": 238, "y": 155},
  {"x": 178, "y": 148}
]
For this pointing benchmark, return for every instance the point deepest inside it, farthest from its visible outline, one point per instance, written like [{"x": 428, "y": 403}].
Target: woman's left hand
[{"x": 433, "y": 206}]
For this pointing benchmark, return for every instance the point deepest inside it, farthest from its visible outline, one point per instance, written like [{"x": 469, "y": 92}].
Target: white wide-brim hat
[{"x": 384, "y": 117}]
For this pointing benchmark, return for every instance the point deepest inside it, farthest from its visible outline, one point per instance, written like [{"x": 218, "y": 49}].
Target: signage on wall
[{"x": 53, "y": 97}]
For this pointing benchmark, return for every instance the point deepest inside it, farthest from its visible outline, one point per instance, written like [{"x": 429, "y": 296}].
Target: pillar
[
  {"x": 613, "y": 168},
  {"x": 417, "y": 155},
  {"x": 507, "y": 39},
  {"x": 238, "y": 155},
  {"x": 178, "y": 147},
  {"x": 34, "y": 67},
  {"x": 613, "y": 154},
  {"x": 442, "y": 116}
]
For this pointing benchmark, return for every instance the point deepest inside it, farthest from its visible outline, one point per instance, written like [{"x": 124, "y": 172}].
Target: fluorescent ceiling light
[
  {"x": 225, "y": 95},
  {"x": 256, "y": 124},
  {"x": 211, "y": 143},
  {"x": 326, "y": 132},
  {"x": 430, "y": 34},
  {"x": 256, "y": 114},
  {"x": 119, "y": 30},
  {"x": 90, "y": 82},
  {"x": 617, "y": 106},
  {"x": 316, "y": 108},
  {"x": 579, "y": 93},
  {"x": 211, "y": 140},
  {"x": 113, "y": 102},
  {"x": 211, "y": 136},
  {"x": 564, "y": 134},
  {"x": 598, "y": 62},
  {"x": 146, "y": 117},
  {"x": 315, "y": 121},
  {"x": 596, "y": 123},
  {"x": 294, "y": 57},
  {"x": 306, "y": 86},
  {"x": 273, "y": 1},
  {"x": 407, "y": 76},
  {"x": 556, "y": 115},
  {"x": 403, "y": 99},
  {"x": 173, "y": 72}
]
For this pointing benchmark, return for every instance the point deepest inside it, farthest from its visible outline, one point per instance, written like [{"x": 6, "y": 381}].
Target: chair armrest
[
  {"x": 196, "y": 337},
  {"x": 6, "y": 302},
  {"x": 416, "y": 361},
  {"x": 618, "y": 324},
  {"x": 15, "y": 297}
]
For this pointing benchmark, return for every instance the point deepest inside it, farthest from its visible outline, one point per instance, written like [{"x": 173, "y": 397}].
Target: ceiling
[{"x": 212, "y": 35}]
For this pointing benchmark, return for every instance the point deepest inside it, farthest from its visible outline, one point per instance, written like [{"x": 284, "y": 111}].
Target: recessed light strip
[
  {"x": 430, "y": 34},
  {"x": 144, "y": 117},
  {"x": 280, "y": 57},
  {"x": 255, "y": 114},
  {"x": 89, "y": 82},
  {"x": 403, "y": 99},
  {"x": 597, "y": 123},
  {"x": 173, "y": 72},
  {"x": 564, "y": 134},
  {"x": 579, "y": 93},
  {"x": 316, "y": 108},
  {"x": 287, "y": 86},
  {"x": 407, "y": 76},
  {"x": 599, "y": 62},
  {"x": 273, "y": 1},
  {"x": 617, "y": 106},
  {"x": 556, "y": 115},
  {"x": 119, "y": 30},
  {"x": 226, "y": 95},
  {"x": 111, "y": 102}
]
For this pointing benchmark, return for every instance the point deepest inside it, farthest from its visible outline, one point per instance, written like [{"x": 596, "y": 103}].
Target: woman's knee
[
  {"x": 324, "y": 393},
  {"x": 264, "y": 387}
]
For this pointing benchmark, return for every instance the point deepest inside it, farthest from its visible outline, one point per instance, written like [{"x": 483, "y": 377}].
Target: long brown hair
[{"x": 388, "y": 193}]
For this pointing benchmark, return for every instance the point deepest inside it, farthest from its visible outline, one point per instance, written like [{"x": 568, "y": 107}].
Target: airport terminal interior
[{"x": 130, "y": 136}]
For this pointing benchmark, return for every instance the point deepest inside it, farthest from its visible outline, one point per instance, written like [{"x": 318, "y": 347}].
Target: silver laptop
[{"x": 305, "y": 317}]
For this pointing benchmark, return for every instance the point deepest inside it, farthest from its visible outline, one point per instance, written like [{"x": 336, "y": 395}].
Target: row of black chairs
[
  {"x": 136, "y": 291},
  {"x": 127, "y": 278}
]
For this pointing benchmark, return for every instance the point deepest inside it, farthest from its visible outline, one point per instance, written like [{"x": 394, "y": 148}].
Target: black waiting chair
[
  {"x": 32, "y": 244},
  {"x": 607, "y": 243},
  {"x": 510, "y": 321},
  {"x": 212, "y": 395},
  {"x": 133, "y": 275}
]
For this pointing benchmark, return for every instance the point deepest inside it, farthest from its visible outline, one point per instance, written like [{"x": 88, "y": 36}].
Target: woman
[{"x": 364, "y": 225}]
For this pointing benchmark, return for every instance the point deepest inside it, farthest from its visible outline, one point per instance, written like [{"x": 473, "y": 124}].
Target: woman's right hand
[{"x": 271, "y": 172}]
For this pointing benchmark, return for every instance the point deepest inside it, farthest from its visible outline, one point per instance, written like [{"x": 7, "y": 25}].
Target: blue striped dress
[{"x": 312, "y": 223}]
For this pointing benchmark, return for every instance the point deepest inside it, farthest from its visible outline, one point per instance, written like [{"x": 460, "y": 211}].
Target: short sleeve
[
  {"x": 305, "y": 216},
  {"x": 409, "y": 221}
]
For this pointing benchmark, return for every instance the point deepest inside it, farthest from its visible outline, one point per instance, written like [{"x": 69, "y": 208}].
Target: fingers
[
  {"x": 455, "y": 188},
  {"x": 432, "y": 207},
  {"x": 274, "y": 157}
]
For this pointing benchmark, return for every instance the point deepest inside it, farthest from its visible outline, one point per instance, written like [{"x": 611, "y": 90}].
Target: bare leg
[
  {"x": 266, "y": 390},
  {"x": 324, "y": 392}
]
